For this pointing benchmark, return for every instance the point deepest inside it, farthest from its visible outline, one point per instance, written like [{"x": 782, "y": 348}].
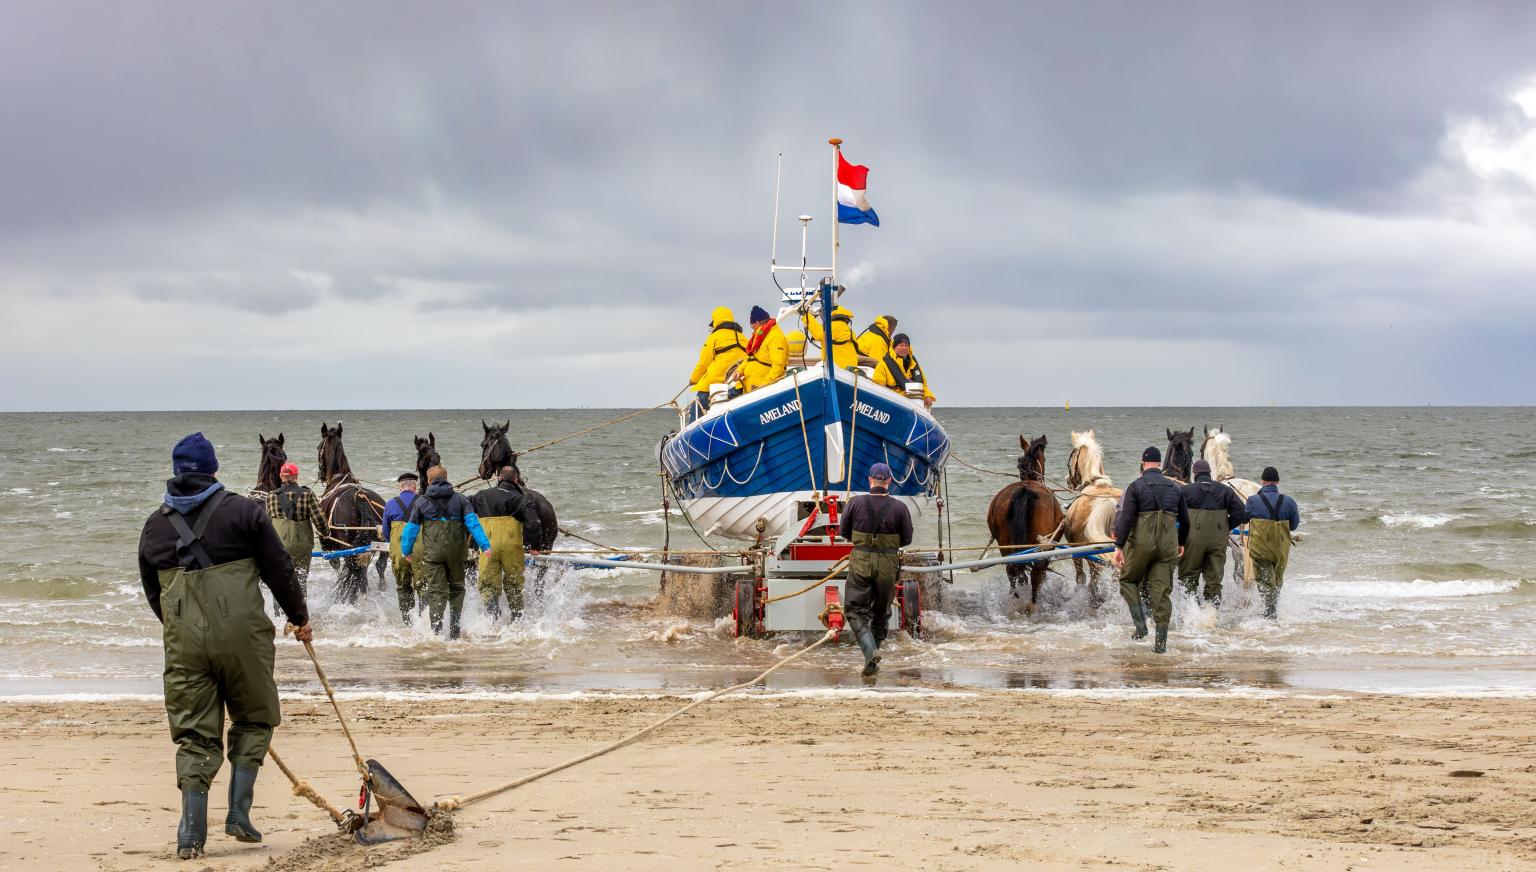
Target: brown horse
[
  {"x": 1024, "y": 515},
  {"x": 1180, "y": 456},
  {"x": 351, "y": 507},
  {"x": 272, "y": 459}
]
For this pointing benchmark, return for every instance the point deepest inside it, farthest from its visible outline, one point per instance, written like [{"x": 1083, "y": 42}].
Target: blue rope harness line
[{"x": 332, "y": 555}]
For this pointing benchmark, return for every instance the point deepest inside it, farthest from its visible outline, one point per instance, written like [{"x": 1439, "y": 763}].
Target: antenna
[{"x": 778, "y": 181}]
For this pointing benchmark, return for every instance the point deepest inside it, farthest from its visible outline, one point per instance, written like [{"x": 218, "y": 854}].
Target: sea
[{"x": 1416, "y": 575}]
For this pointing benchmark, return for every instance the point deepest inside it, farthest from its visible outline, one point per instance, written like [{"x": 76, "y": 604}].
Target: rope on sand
[
  {"x": 454, "y": 803},
  {"x": 302, "y": 789}
]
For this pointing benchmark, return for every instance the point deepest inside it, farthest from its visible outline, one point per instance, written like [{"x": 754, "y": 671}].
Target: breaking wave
[{"x": 1417, "y": 589}]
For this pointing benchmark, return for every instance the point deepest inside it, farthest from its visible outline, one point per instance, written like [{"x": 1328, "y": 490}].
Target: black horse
[
  {"x": 272, "y": 459},
  {"x": 351, "y": 511},
  {"x": 426, "y": 456},
  {"x": 1179, "y": 459},
  {"x": 496, "y": 452}
]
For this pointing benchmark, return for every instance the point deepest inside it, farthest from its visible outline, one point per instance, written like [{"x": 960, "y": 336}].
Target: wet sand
[{"x": 959, "y": 780}]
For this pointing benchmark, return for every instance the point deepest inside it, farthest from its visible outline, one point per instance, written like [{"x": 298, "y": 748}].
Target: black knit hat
[
  {"x": 1270, "y": 474},
  {"x": 1152, "y": 455},
  {"x": 899, "y": 338}
]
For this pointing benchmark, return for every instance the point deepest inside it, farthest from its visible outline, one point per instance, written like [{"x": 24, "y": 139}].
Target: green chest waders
[
  {"x": 1269, "y": 544},
  {"x": 405, "y": 577},
  {"x": 1205, "y": 552},
  {"x": 501, "y": 567},
  {"x": 218, "y": 656},
  {"x": 1147, "y": 574},
  {"x": 439, "y": 557},
  {"x": 873, "y": 568}
]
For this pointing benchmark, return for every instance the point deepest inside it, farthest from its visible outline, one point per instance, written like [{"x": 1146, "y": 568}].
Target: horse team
[
  {"x": 353, "y": 513},
  {"x": 1026, "y": 514}
]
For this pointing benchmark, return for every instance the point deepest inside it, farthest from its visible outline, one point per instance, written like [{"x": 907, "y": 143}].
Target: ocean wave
[
  {"x": 66, "y": 450},
  {"x": 19, "y": 491},
  {"x": 1419, "y": 588},
  {"x": 1423, "y": 522}
]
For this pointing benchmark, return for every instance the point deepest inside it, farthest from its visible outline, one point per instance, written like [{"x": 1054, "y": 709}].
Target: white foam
[
  {"x": 66, "y": 450},
  {"x": 1417, "y": 589},
  {"x": 1423, "y": 522},
  {"x": 19, "y": 491}
]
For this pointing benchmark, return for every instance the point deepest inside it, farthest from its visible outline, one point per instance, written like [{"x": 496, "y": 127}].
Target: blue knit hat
[
  {"x": 194, "y": 454},
  {"x": 880, "y": 471},
  {"x": 758, "y": 314}
]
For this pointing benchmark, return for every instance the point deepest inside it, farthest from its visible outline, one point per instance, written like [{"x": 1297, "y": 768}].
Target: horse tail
[{"x": 1021, "y": 510}]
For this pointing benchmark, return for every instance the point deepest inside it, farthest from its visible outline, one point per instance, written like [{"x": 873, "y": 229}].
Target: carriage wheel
[
  {"x": 744, "y": 610},
  {"x": 910, "y": 594}
]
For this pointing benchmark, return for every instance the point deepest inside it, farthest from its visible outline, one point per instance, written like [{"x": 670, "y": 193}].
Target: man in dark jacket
[
  {"x": 391, "y": 527},
  {"x": 509, "y": 518},
  {"x": 879, "y": 526},
  {"x": 1214, "y": 510},
  {"x": 1150, "y": 530},
  {"x": 202, "y": 556},
  {"x": 441, "y": 521},
  {"x": 1273, "y": 516}
]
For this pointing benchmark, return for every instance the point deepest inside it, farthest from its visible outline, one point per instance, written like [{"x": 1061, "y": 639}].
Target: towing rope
[
  {"x": 453, "y": 803},
  {"x": 357, "y": 757},
  {"x": 301, "y": 788},
  {"x": 837, "y": 569},
  {"x": 1059, "y": 487},
  {"x": 593, "y": 429}
]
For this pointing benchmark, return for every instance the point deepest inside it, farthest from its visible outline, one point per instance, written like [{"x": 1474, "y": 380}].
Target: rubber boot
[
  {"x": 1160, "y": 643},
  {"x": 453, "y": 623},
  {"x": 192, "y": 833},
  {"x": 1271, "y": 603},
  {"x": 871, "y": 650},
  {"x": 242, "y": 792},
  {"x": 493, "y": 608},
  {"x": 1140, "y": 617}
]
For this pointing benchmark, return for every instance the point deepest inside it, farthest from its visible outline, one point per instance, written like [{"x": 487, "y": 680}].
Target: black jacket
[
  {"x": 507, "y": 500},
  {"x": 1153, "y": 492},
  {"x": 239, "y": 529},
  {"x": 868, "y": 513},
  {"x": 1206, "y": 493}
]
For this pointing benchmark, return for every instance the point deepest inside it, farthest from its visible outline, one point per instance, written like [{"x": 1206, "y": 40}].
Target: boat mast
[{"x": 837, "y": 151}]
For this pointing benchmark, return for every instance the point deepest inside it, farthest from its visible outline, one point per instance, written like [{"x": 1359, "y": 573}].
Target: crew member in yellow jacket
[
  {"x": 900, "y": 368},
  {"x": 845, "y": 352},
  {"x": 767, "y": 352},
  {"x": 875, "y": 342},
  {"x": 722, "y": 349}
]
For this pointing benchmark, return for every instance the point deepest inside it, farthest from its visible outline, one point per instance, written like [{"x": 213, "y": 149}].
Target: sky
[{"x": 504, "y": 205}]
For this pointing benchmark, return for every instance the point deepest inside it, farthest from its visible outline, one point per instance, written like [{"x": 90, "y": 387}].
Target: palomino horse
[
  {"x": 496, "y": 452},
  {"x": 272, "y": 459},
  {"x": 352, "y": 512},
  {"x": 426, "y": 456},
  {"x": 1091, "y": 516},
  {"x": 1025, "y": 515},
  {"x": 1180, "y": 455},
  {"x": 1214, "y": 448}
]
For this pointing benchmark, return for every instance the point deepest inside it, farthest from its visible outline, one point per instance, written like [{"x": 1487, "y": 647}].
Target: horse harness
[{"x": 190, "y": 553}]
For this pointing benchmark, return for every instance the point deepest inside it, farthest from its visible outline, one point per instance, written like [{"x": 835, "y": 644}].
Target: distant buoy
[{"x": 1067, "y": 407}]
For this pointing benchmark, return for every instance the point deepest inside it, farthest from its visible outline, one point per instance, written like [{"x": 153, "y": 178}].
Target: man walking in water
[
  {"x": 509, "y": 518},
  {"x": 391, "y": 527},
  {"x": 294, "y": 511},
  {"x": 879, "y": 526},
  {"x": 440, "y": 522},
  {"x": 1272, "y": 516},
  {"x": 202, "y": 556},
  {"x": 1214, "y": 509},
  {"x": 1150, "y": 530}
]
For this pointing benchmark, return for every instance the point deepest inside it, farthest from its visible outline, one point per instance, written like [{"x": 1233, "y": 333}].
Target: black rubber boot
[
  {"x": 1271, "y": 599},
  {"x": 493, "y": 608},
  {"x": 242, "y": 792},
  {"x": 1140, "y": 617},
  {"x": 453, "y": 625},
  {"x": 1160, "y": 644},
  {"x": 871, "y": 650},
  {"x": 192, "y": 833}
]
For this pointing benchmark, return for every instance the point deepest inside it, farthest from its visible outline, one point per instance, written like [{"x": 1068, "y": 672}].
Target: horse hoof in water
[{"x": 1029, "y": 609}]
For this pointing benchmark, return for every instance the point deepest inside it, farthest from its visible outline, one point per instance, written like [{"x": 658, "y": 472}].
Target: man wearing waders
[
  {"x": 1271, "y": 517},
  {"x": 879, "y": 526},
  {"x": 510, "y": 518},
  {"x": 1150, "y": 530},
  {"x": 1214, "y": 510},
  {"x": 391, "y": 528},
  {"x": 202, "y": 556},
  {"x": 294, "y": 512},
  {"x": 434, "y": 541}
]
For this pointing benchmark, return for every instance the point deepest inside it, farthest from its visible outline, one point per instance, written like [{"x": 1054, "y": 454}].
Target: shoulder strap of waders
[
  {"x": 898, "y": 375},
  {"x": 1274, "y": 510},
  {"x": 917, "y": 368},
  {"x": 735, "y": 331},
  {"x": 191, "y": 537}
]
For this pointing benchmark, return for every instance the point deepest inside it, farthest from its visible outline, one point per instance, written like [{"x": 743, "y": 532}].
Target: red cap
[{"x": 289, "y": 469}]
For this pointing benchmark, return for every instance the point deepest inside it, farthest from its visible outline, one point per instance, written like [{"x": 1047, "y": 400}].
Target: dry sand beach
[{"x": 816, "y": 780}]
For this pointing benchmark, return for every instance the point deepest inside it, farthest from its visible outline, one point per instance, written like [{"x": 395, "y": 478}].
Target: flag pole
[{"x": 836, "y": 152}]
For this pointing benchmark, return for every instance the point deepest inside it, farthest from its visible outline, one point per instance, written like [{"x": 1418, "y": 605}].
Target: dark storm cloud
[{"x": 1205, "y": 167}]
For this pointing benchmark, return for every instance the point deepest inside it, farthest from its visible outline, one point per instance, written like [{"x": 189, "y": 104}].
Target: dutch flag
[{"x": 852, "y": 180}]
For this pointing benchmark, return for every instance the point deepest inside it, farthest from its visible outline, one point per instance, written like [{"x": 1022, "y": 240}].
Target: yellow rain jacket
[
  {"x": 845, "y": 352},
  {"x": 907, "y": 371},
  {"x": 875, "y": 341},
  {"x": 767, "y": 364},
  {"x": 796, "y": 344},
  {"x": 722, "y": 349}
]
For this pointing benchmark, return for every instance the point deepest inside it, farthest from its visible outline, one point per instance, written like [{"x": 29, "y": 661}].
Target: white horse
[
  {"x": 1091, "y": 516},
  {"x": 1214, "y": 449}
]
